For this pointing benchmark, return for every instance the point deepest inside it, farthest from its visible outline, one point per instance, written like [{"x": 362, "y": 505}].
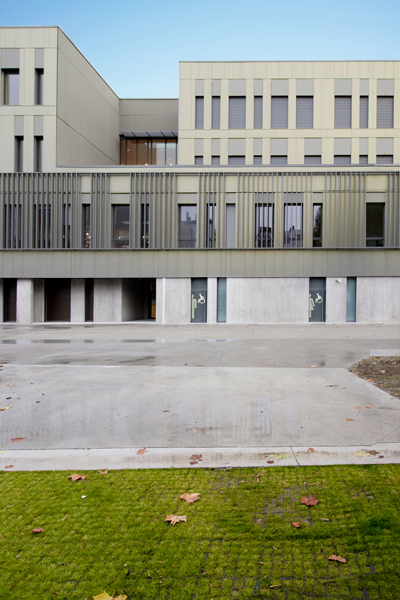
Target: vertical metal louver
[
  {"x": 279, "y": 112},
  {"x": 363, "y": 112},
  {"x": 342, "y": 112},
  {"x": 237, "y": 112},
  {"x": 216, "y": 112},
  {"x": 199, "y": 118},
  {"x": 384, "y": 116},
  {"x": 258, "y": 110},
  {"x": 304, "y": 112}
]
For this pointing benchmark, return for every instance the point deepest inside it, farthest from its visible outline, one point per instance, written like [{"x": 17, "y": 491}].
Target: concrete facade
[{"x": 218, "y": 189}]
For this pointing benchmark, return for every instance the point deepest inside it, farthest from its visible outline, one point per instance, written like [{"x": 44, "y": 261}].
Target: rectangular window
[
  {"x": 384, "y": 116},
  {"x": 216, "y": 112},
  {"x": 375, "y": 225},
  {"x": 144, "y": 225},
  {"x": 157, "y": 151},
  {"x": 236, "y": 161},
  {"x": 66, "y": 242},
  {"x": 19, "y": 154},
  {"x": 171, "y": 151},
  {"x": 312, "y": 160},
  {"x": 86, "y": 225},
  {"x": 237, "y": 112},
  {"x": 363, "y": 159},
  {"x": 293, "y": 227},
  {"x": 41, "y": 226},
  {"x": 230, "y": 225},
  {"x": 198, "y": 160},
  {"x": 121, "y": 221},
  {"x": 317, "y": 226},
  {"x": 304, "y": 112},
  {"x": 39, "y": 77},
  {"x": 258, "y": 112},
  {"x": 199, "y": 300},
  {"x": 221, "y": 300},
  {"x": 342, "y": 112},
  {"x": 279, "y": 161},
  {"x": 351, "y": 299},
  {"x": 10, "y": 86},
  {"x": 384, "y": 159},
  {"x": 264, "y": 223},
  {"x": 216, "y": 160},
  {"x": 187, "y": 226},
  {"x": 211, "y": 233},
  {"x": 257, "y": 160},
  {"x": 199, "y": 116},
  {"x": 279, "y": 112},
  {"x": 342, "y": 159},
  {"x": 38, "y": 153},
  {"x": 363, "y": 112}
]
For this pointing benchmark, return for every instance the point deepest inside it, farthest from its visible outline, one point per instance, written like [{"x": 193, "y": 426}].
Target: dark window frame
[
  {"x": 375, "y": 241},
  {"x": 39, "y": 82},
  {"x": 5, "y": 76},
  {"x": 317, "y": 228},
  {"x": 120, "y": 242},
  {"x": 264, "y": 225},
  {"x": 183, "y": 240}
]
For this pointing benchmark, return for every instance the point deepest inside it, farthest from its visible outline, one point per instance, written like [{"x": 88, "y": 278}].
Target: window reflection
[
  {"x": 187, "y": 226},
  {"x": 121, "y": 226},
  {"x": 148, "y": 151}
]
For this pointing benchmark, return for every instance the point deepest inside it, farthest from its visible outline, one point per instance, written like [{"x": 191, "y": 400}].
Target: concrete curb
[{"x": 178, "y": 458}]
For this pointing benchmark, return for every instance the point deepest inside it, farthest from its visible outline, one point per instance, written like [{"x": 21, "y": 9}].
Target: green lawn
[{"x": 238, "y": 540}]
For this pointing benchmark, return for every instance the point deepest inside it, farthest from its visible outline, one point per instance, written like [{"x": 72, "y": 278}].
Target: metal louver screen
[
  {"x": 384, "y": 117},
  {"x": 384, "y": 159},
  {"x": 216, "y": 112},
  {"x": 199, "y": 119},
  {"x": 342, "y": 112},
  {"x": 237, "y": 112},
  {"x": 279, "y": 112},
  {"x": 258, "y": 109},
  {"x": 363, "y": 112},
  {"x": 304, "y": 112},
  {"x": 235, "y": 161}
]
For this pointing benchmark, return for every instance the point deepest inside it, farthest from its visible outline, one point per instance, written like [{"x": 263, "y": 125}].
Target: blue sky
[{"x": 136, "y": 46}]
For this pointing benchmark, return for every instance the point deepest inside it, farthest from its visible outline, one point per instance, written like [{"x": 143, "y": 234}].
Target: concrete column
[
  {"x": 24, "y": 300},
  {"x": 77, "y": 300},
  {"x": 107, "y": 301},
  {"x": 38, "y": 301},
  {"x": 1, "y": 302},
  {"x": 336, "y": 292},
  {"x": 212, "y": 300},
  {"x": 173, "y": 300}
]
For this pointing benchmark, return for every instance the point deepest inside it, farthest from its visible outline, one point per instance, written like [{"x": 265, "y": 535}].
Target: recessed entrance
[
  {"x": 58, "y": 300},
  {"x": 316, "y": 306},
  {"x": 9, "y": 300},
  {"x": 138, "y": 299}
]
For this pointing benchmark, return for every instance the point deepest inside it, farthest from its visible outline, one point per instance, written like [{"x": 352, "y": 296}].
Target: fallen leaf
[
  {"x": 325, "y": 519},
  {"x": 373, "y": 452},
  {"x": 258, "y": 477},
  {"x": 76, "y": 476},
  {"x": 274, "y": 586},
  {"x": 369, "y": 380},
  {"x": 38, "y": 530},
  {"x": 9, "y": 467},
  {"x": 5, "y": 408},
  {"x": 17, "y": 439},
  {"x": 337, "y": 558},
  {"x": 296, "y": 524},
  {"x": 310, "y": 450},
  {"x": 359, "y": 407},
  {"x": 279, "y": 456},
  {"x": 270, "y": 462},
  {"x": 142, "y": 451},
  {"x": 190, "y": 498},
  {"x": 166, "y": 411},
  {"x": 193, "y": 462},
  {"x": 63, "y": 519},
  {"x": 309, "y": 500},
  {"x": 105, "y": 596},
  {"x": 383, "y": 371},
  {"x": 362, "y": 454},
  {"x": 381, "y": 456},
  {"x": 349, "y": 419},
  {"x": 369, "y": 407},
  {"x": 312, "y": 367},
  {"x": 175, "y": 519},
  {"x": 196, "y": 457},
  {"x": 105, "y": 472}
]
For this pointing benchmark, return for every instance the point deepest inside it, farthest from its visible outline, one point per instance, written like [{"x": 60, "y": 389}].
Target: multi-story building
[{"x": 269, "y": 192}]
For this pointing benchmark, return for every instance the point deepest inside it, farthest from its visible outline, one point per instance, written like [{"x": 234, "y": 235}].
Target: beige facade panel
[{"x": 378, "y": 299}]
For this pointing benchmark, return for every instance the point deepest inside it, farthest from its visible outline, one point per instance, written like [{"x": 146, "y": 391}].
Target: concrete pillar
[
  {"x": 173, "y": 300},
  {"x": 336, "y": 292},
  {"x": 1, "y": 302},
  {"x": 212, "y": 300},
  {"x": 107, "y": 301},
  {"x": 24, "y": 300},
  {"x": 38, "y": 301},
  {"x": 77, "y": 300}
]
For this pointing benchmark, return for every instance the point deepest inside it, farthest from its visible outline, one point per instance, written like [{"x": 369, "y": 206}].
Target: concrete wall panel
[
  {"x": 173, "y": 300},
  {"x": 335, "y": 309},
  {"x": 378, "y": 299}
]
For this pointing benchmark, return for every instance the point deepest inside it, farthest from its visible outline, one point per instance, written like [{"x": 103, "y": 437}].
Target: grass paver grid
[{"x": 238, "y": 540}]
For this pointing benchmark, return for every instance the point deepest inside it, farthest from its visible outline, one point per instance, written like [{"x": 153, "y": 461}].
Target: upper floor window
[
  {"x": 199, "y": 113},
  {"x": 342, "y": 112},
  {"x": 187, "y": 226},
  {"x": 38, "y": 153},
  {"x": 237, "y": 112},
  {"x": 304, "y": 112},
  {"x": 19, "y": 154},
  {"x": 216, "y": 112},
  {"x": 10, "y": 86},
  {"x": 384, "y": 115},
  {"x": 375, "y": 224},
  {"x": 86, "y": 225},
  {"x": 264, "y": 233},
  {"x": 121, "y": 223},
  {"x": 317, "y": 225},
  {"x": 39, "y": 76},
  {"x": 364, "y": 112},
  {"x": 211, "y": 234},
  {"x": 293, "y": 227},
  {"x": 149, "y": 151},
  {"x": 258, "y": 112},
  {"x": 279, "y": 112}
]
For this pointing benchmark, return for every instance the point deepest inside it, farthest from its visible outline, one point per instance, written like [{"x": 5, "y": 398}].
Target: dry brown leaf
[
  {"x": 193, "y": 462},
  {"x": 258, "y": 477},
  {"x": 196, "y": 457},
  {"x": 76, "y": 476},
  {"x": 142, "y": 451},
  {"x": 325, "y": 519},
  {"x": 296, "y": 524},
  {"x": 369, "y": 407},
  {"x": 270, "y": 462},
  {"x": 369, "y": 380},
  {"x": 105, "y": 596},
  {"x": 337, "y": 558},
  {"x": 349, "y": 419},
  {"x": 309, "y": 500},
  {"x": 310, "y": 450},
  {"x": 175, "y": 519},
  {"x": 9, "y": 467},
  {"x": 189, "y": 498},
  {"x": 5, "y": 408},
  {"x": 359, "y": 407},
  {"x": 38, "y": 530},
  {"x": 383, "y": 371},
  {"x": 105, "y": 472},
  {"x": 373, "y": 452},
  {"x": 17, "y": 439}
]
